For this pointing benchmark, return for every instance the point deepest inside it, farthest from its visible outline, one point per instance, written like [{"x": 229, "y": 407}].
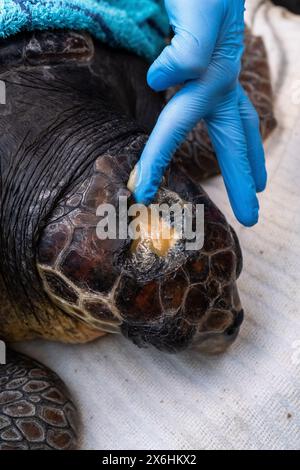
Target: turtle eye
[{"x": 230, "y": 331}]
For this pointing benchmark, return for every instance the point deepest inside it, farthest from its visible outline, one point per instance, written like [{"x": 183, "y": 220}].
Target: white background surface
[{"x": 250, "y": 397}]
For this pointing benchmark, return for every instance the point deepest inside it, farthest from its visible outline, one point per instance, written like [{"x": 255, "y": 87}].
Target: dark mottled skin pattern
[{"x": 75, "y": 123}]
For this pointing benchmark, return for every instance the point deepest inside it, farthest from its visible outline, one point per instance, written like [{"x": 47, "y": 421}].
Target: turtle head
[
  {"x": 154, "y": 292},
  {"x": 184, "y": 298},
  {"x": 77, "y": 126}
]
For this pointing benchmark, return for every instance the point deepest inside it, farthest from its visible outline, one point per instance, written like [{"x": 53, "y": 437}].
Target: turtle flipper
[{"x": 35, "y": 409}]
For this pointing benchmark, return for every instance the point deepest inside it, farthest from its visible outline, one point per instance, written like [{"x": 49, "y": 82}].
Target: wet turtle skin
[{"x": 74, "y": 125}]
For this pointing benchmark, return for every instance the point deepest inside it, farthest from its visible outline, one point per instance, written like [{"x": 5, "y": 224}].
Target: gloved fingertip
[
  {"x": 249, "y": 218},
  {"x": 139, "y": 198},
  {"x": 144, "y": 195},
  {"x": 261, "y": 184},
  {"x": 156, "y": 79}
]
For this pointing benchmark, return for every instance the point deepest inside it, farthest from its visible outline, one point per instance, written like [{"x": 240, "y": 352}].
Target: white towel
[{"x": 250, "y": 397}]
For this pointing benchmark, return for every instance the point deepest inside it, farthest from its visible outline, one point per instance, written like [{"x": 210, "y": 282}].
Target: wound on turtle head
[{"x": 155, "y": 233}]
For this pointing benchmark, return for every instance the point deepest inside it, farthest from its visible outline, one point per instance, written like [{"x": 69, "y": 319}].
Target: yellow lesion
[{"x": 155, "y": 233}]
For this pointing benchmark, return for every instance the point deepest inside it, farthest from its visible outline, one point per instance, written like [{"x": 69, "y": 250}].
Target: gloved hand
[{"x": 205, "y": 55}]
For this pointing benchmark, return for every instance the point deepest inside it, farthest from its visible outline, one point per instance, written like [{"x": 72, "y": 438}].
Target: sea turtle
[{"x": 75, "y": 121}]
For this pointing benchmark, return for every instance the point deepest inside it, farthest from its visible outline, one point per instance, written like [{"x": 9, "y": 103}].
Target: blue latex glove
[{"x": 205, "y": 55}]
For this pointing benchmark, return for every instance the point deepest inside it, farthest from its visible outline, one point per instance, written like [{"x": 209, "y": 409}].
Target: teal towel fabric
[{"x": 137, "y": 25}]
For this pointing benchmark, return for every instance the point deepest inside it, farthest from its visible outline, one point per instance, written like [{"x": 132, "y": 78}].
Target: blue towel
[{"x": 136, "y": 25}]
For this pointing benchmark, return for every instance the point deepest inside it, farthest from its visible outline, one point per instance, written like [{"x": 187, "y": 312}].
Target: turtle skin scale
[
  {"x": 36, "y": 410},
  {"x": 72, "y": 130}
]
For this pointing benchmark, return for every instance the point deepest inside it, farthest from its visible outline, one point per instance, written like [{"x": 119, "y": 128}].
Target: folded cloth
[{"x": 136, "y": 25}]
